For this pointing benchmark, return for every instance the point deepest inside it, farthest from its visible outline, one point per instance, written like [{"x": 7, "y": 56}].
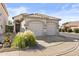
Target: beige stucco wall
[
  {"x": 3, "y": 19},
  {"x": 74, "y": 28},
  {"x": 50, "y": 27},
  {"x": 3, "y": 10},
  {"x": 41, "y": 26},
  {"x": 22, "y": 29},
  {"x": 26, "y": 21}
]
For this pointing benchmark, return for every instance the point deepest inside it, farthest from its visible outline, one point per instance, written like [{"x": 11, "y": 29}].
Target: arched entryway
[{"x": 17, "y": 26}]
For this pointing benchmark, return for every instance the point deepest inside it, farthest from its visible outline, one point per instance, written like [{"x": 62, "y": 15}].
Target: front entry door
[{"x": 17, "y": 28}]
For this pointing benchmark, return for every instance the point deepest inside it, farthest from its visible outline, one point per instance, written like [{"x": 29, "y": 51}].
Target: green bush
[
  {"x": 29, "y": 38},
  {"x": 6, "y": 42},
  {"x": 18, "y": 41},
  {"x": 76, "y": 30},
  {"x": 9, "y": 29},
  {"x": 22, "y": 40},
  {"x": 69, "y": 30}
]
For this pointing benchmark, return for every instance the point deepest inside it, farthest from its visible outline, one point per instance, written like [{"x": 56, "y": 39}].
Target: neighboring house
[
  {"x": 40, "y": 24},
  {"x": 72, "y": 25},
  {"x": 3, "y": 18}
]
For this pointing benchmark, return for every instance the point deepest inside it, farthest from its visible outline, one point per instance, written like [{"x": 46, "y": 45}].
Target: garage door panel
[
  {"x": 36, "y": 27},
  {"x": 51, "y": 29}
]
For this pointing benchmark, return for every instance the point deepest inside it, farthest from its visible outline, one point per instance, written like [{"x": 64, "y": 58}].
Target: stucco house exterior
[
  {"x": 3, "y": 18},
  {"x": 71, "y": 25},
  {"x": 40, "y": 24}
]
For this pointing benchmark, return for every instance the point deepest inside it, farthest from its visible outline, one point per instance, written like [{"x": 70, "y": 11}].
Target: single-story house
[
  {"x": 71, "y": 25},
  {"x": 3, "y": 17},
  {"x": 40, "y": 24}
]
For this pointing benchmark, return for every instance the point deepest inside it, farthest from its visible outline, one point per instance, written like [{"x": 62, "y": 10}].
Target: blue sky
[{"x": 65, "y": 11}]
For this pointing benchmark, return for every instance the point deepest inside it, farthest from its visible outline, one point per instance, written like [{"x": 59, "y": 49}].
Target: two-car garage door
[{"x": 37, "y": 28}]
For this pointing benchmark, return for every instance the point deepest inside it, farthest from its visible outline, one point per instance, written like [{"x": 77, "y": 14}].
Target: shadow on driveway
[{"x": 37, "y": 47}]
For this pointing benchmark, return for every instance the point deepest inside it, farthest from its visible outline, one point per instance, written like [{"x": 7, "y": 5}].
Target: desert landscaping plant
[
  {"x": 18, "y": 41},
  {"x": 30, "y": 38},
  {"x": 76, "y": 30},
  {"x": 24, "y": 39},
  {"x": 6, "y": 42}
]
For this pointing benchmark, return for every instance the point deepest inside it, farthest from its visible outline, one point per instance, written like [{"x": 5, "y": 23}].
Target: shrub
[
  {"x": 76, "y": 30},
  {"x": 29, "y": 38},
  {"x": 18, "y": 41},
  {"x": 69, "y": 30},
  {"x": 22, "y": 40},
  {"x": 6, "y": 42},
  {"x": 9, "y": 29}
]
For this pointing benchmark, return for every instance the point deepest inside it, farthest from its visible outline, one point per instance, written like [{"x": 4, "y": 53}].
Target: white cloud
[
  {"x": 71, "y": 14},
  {"x": 18, "y": 10},
  {"x": 75, "y": 6},
  {"x": 67, "y": 15}
]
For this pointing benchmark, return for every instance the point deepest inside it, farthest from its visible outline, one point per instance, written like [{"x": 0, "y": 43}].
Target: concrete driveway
[
  {"x": 67, "y": 48},
  {"x": 50, "y": 46},
  {"x": 73, "y": 35}
]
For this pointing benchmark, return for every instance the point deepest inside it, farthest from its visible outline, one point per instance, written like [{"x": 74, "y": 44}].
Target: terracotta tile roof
[
  {"x": 42, "y": 16},
  {"x": 38, "y": 15},
  {"x": 72, "y": 24}
]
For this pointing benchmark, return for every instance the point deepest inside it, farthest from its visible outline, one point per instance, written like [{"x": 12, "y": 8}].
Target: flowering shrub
[{"x": 6, "y": 42}]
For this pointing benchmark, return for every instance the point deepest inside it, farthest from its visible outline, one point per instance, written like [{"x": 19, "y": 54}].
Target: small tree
[
  {"x": 9, "y": 27},
  {"x": 9, "y": 22}
]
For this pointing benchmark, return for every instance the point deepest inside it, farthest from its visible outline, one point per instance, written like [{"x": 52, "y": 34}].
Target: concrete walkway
[{"x": 45, "y": 44}]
